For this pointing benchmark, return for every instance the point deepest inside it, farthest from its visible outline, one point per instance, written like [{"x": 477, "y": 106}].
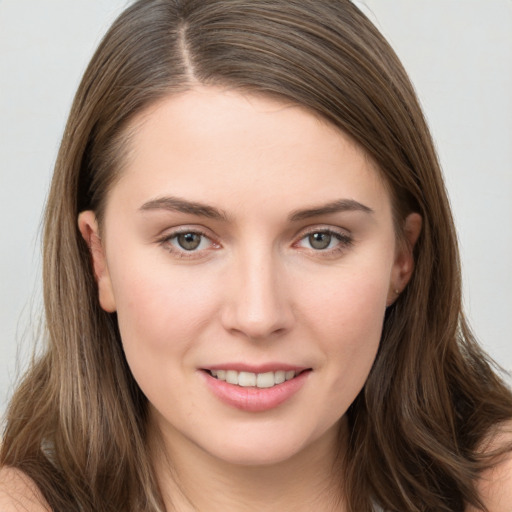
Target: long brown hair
[{"x": 77, "y": 424}]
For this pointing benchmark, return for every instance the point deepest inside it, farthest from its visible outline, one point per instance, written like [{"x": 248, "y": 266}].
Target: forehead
[{"x": 220, "y": 146}]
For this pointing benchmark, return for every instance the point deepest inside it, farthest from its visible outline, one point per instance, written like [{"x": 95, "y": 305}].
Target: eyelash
[
  {"x": 344, "y": 242},
  {"x": 166, "y": 242}
]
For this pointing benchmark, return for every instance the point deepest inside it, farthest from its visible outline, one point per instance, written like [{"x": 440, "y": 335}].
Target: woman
[{"x": 252, "y": 286}]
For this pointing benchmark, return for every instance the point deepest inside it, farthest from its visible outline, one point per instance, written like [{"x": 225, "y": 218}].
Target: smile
[
  {"x": 255, "y": 391},
  {"x": 249, "y": 379}
]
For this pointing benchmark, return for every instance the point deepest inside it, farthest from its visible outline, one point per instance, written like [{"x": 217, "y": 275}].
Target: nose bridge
[{"x": 258, "y": 306}]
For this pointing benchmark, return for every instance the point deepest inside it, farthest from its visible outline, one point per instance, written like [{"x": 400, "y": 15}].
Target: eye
[
  {"x": 187, "y": 243},
  {"x": 325, "y": 240}
]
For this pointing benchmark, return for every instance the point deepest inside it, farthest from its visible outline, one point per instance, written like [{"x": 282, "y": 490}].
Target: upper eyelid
[
  {"x": 170, "y": 233},
  {"x": 344, "y": 237},
  {"x": 337, "y": 230},
  {"x": 165, "y": 241}
]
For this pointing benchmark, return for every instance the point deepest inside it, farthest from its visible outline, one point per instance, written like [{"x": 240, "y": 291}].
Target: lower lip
[{"x": 253, "y": 399}]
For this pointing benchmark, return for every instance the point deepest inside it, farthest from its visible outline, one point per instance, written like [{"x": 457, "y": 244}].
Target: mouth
[
  {"x": 255, "y": 391},
  {"x": 263, "y": 380}
]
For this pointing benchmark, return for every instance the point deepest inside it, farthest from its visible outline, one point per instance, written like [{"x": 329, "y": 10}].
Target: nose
[{"x": 258, "y": 305}]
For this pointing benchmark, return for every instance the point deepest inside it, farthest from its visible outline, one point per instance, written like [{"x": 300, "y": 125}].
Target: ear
[
  {"x": 404, "y": 258},
  {"x": 88, "y": 226}
]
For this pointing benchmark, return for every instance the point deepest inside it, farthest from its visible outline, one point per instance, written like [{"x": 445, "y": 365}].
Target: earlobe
[
  {"x": 88, "y": 226},
  {"x": 404, "y": 260}
]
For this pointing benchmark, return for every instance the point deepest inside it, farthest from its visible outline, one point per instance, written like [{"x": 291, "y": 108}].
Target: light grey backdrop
[{"x": 459, "y": 56}]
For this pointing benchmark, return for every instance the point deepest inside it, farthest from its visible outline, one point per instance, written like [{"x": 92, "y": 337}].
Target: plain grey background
[{"x": 457, "y": 52}]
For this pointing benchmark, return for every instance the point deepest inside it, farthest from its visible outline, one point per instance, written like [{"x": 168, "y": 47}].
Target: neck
[{"x": 192, "y": 480}]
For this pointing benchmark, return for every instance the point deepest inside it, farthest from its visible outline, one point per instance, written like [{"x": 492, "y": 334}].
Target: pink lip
[{"x": 253, "y": 399}]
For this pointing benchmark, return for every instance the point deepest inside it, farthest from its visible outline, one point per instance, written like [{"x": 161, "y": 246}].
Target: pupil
[
  {"x": 320, "y": 240},
  {"x": 189, "y": 241}
]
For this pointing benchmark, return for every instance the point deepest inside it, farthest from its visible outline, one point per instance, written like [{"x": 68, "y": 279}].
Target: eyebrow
[
  {"x": 342, "y": 205},
  {"x": 177, "y": 204}
]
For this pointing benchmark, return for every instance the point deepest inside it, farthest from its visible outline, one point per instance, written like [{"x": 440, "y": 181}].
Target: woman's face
[{"x": 246, "y": 243}]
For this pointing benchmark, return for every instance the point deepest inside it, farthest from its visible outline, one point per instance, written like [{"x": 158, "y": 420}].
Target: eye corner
[
  {"x": 188, "y": 243},
  {"x": 324, "y": 241}
]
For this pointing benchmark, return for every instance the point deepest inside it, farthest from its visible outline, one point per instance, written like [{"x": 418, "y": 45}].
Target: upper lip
[{"x": 260, "y": 368}]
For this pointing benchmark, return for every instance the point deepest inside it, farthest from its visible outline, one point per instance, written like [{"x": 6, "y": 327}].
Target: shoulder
[
  {"x": 18, "y": 493},
  {"x": 495, "y": 484}
]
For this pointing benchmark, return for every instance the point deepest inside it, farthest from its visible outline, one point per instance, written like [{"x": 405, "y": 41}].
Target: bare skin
[
  {"x": 495, "y": 485},
  {"x": 247, "y": 235},
  {"x": 18, "y": 493},
  {"x": 312, "y": 483}
]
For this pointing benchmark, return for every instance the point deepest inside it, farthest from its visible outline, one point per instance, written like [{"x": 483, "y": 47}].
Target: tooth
[
  {"x": 232, "y": 377},
  {"x": 249, "y": 379},
  {"x": 246, "y": 379},
  {"x": 279, "y": 377},
  {"x": 265, "y": 380}
]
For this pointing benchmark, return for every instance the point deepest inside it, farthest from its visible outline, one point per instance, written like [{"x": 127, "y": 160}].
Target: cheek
[
  {"x": 161, "y": 315},
  {"x": 160, "y": 310},
  {"x": 350, "y": 301},
  {"x": 346, "y": 319}
]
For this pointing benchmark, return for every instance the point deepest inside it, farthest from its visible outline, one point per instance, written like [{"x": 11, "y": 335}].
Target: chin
[
  {"x": 267, "y": 447},
  {"x": 255, "y": 456}
]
